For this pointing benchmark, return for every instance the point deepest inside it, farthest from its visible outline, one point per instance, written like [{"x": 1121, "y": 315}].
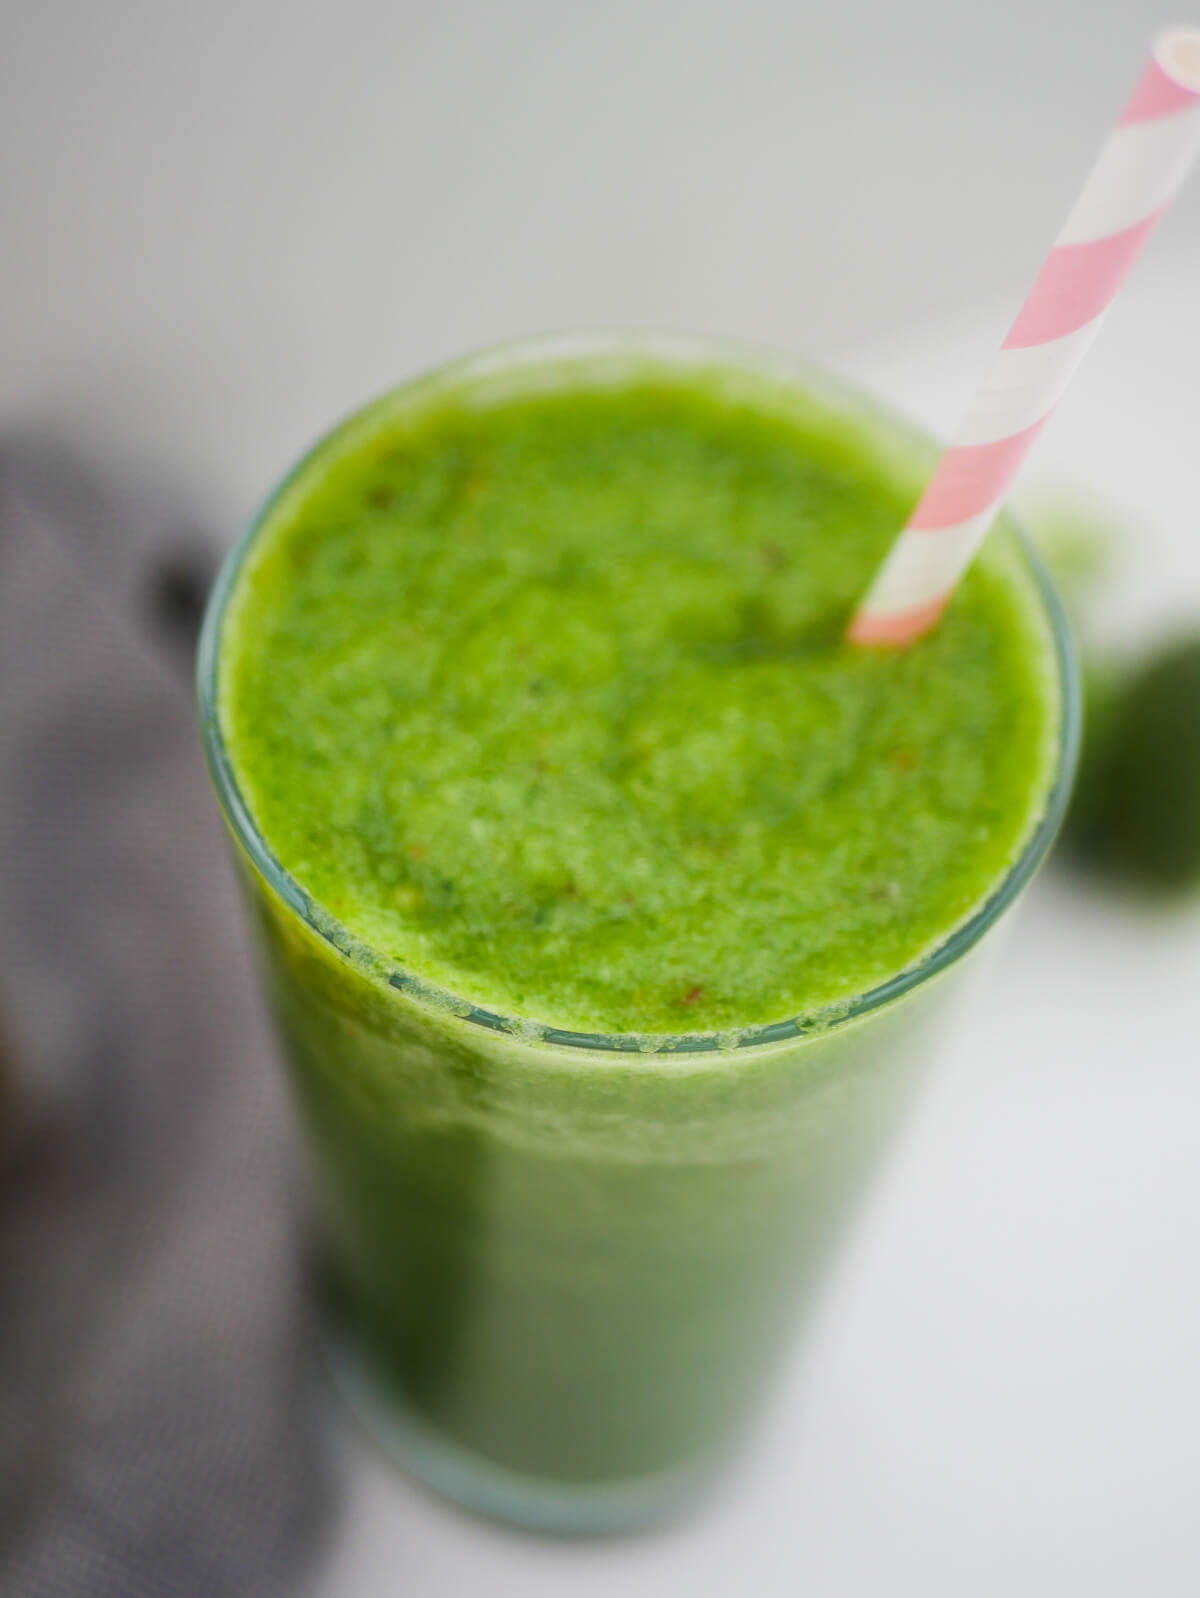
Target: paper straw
[{"x": 1134, "y": 180}]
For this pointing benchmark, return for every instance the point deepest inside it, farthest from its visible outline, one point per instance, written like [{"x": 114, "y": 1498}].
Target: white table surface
[{"x": 1001, "y": 1392}]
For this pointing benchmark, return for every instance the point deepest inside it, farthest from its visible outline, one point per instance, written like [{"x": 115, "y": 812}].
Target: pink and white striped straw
[{"x": 1135, "y": 178}]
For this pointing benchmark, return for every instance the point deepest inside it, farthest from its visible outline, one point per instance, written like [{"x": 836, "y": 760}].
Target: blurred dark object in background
[
  {"x": 1136, "y": 813},
  {"x": 157, "y": 1428},
  {"x": 1135, "y": 817}
]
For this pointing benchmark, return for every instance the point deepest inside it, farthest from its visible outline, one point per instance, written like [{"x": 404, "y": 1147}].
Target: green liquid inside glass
[
  {"x": 547, "y": 702},
  {"x": 536, "y": 688}
]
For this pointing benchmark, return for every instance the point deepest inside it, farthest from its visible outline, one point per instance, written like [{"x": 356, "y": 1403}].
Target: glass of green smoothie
[{"x": 608, "y": 902}]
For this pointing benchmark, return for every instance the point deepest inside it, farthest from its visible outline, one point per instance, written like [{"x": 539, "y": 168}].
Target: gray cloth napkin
[{"x": 158, "y": 1432}]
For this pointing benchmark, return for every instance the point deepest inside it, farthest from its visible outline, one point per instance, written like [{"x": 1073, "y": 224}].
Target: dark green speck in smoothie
[{"x": 543, "y": 697}]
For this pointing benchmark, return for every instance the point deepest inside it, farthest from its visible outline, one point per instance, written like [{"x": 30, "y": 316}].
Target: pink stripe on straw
[
  {"x": 892, "y": 629},
  {"x": 1156, "y": 95},
  {"x": 970, "y": 477},
  {"x": 1077, "y": 282},
  {"x": 1139, "y": 171}
]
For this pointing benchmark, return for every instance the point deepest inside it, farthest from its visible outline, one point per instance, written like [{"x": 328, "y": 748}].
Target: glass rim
[{"x": 678, "y": 351}]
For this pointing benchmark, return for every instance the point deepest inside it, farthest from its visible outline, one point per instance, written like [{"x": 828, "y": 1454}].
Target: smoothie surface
[{"x": 544, "y": 699}]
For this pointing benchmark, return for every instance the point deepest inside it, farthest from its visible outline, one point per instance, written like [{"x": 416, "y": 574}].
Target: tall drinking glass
[{"x": 559, "y": 1267}]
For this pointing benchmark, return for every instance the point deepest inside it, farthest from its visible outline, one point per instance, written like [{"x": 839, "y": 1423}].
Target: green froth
[{"x": 545, "y": 701}]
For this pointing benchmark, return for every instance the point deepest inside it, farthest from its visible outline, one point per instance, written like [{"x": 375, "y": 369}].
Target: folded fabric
[{"x": 158, "y": 1432}]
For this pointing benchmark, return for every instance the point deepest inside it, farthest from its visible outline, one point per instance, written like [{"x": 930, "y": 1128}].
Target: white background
[{"x": 225, "y": 224}]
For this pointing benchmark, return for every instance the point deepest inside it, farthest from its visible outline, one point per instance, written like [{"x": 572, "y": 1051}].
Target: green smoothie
[{"x": 582, "y": 846}]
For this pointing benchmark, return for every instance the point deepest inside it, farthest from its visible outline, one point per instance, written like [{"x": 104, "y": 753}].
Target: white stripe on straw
[{"x": 1138, "y": 172}]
